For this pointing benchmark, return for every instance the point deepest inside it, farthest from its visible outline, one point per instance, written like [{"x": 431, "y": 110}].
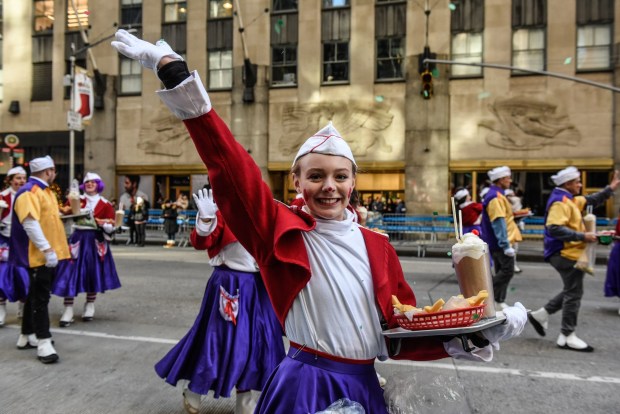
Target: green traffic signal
[{"x": 427, "y": 84}]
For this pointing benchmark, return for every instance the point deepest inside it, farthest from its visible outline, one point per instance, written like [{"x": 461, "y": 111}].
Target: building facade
[{"x": 279, "y": 70}]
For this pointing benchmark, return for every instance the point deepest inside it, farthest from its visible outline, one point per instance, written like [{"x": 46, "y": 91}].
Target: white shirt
[
  {"x": 340, "y": 274},
  {"x": 233, "y": 255},
  {"x": 91, "y": 201}
]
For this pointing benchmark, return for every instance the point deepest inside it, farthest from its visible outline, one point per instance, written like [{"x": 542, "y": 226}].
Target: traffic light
[{"x": 427, "y": 84}]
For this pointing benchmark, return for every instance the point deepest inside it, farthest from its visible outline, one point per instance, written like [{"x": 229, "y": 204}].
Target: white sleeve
[
  {"x": 204, "y": 229},
  {"x": 35, "y": 234},
  {"x": 187, "y": 100}
]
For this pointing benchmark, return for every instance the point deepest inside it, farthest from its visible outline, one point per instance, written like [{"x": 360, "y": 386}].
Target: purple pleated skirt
[
  {"x": 220, "y": 354},
  {"x": 14, "y": 280},
  {"x": 305, "y": 383},
  {"x": 612, "y": 281},
  {"x": 91, "y": 268}
]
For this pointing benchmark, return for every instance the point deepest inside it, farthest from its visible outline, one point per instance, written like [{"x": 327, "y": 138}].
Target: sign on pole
[
  {"x": 74, "y": 120},
  {"x": 11, "y": 140}
]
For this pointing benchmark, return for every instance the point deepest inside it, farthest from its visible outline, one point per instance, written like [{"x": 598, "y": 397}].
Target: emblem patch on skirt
[
  {"x": 4, "y": 252},
  {"x": 74, "y": 248},
  {"x": 229, "y": 306},
  {"x": 102, "y": 248}
]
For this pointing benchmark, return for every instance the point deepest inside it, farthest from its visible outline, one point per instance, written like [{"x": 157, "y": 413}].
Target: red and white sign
[{"x": 83, "y": 95}]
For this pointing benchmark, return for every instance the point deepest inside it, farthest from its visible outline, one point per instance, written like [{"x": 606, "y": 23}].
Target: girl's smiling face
[
  {"x": 326, "y": 183},
  {"x": 90, "y": 187}
]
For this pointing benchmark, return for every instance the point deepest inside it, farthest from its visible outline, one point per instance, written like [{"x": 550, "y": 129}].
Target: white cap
[
  {"x": 326, "y": 141},
  {"x": 90, "y": 176},
  {"x": 508, "y": 192},
  {"x": 462, "y": 193},
  {"x": 499, "y": 172},
  {"x": 565, "y": 175},
  {"x": 40, "y": 164},
  {"x": 484, "y": 191},
  {"x": 16, "y": 170}
]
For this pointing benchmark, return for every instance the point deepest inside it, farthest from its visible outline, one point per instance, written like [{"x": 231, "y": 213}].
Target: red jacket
[
  {"x": 272, "y": 232},
  {"x": 6, "y": 196},
  {"x": 216, "y": 241},
  {"x": 103, "y": 209},
  {"x": 471, "y": 213}
]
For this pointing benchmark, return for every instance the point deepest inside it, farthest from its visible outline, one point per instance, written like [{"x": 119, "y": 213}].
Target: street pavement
[{"x": 106, "y": 366}]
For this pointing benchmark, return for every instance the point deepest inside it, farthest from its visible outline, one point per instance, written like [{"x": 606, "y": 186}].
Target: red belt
[{"x": 304, "y": 348}]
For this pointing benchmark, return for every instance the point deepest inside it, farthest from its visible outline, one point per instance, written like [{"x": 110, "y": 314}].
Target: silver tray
[
  {"x": 75, "y": 216},
  {"x": 478, "y": 326}
]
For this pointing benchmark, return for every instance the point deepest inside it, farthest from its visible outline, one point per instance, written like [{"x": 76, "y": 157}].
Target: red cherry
[{"x": 476, "y": 232}]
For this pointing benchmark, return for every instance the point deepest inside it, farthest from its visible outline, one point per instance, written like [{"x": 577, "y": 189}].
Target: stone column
[{"x": 427, "y": 144}]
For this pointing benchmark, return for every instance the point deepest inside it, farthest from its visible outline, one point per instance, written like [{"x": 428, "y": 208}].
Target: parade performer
[
  {"x": 38, "y": 242},
  {"x": 13, "y": 279},
  {"x": 612, "y": 279},
  {"x": 470, "y": 211},
  {"x": 236, "y": 340},
  {"x": 91, "y": 269},
  {"x": 565, "y": 240},
  {"x": 330, "y": 280},
  {"x": 500, "y": 231}
]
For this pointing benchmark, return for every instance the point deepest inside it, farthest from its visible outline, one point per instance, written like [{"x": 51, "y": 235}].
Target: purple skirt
[
  {"x": 236, "y": 340},
  {"x": 14, "y": 280},
  {"x": 612, "y": 281},
  {"x": 91, "y": 268},
  {"x": 305, "y": 383}
]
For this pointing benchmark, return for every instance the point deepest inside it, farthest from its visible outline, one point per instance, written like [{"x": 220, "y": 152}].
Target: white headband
[{"x": 326, "y": 141}]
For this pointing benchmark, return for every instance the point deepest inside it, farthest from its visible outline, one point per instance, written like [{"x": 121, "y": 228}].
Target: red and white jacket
[
  {"x": 103, "y": 209},
  {"x": 7, "y": 195}
]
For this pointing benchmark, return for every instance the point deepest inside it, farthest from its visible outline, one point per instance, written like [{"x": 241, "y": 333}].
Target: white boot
[
  {"x": 20, "y": 310},
  {"x": 27, "y": 341},
  {"x": 67, "y": 317},
  {"x": 46, "y": 352},
  {"x": 245, "y": 404},
  {"x": 539, "y": 320},
  {"x": 573, "y": 343},
  {"x": 191, "y": 401},
  {"x": 2, "y": 313},
  {"x": 89, "y": 311}
]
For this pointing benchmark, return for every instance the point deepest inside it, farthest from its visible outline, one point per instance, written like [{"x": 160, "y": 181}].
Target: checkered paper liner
[{"x": 444, "y": 319}]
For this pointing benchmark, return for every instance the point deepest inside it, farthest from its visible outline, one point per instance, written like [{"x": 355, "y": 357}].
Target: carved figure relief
[
  {"x": 165, "y": 136},
  {"x": 523, "y": 123},
  {"x": 361, "y": 125}
]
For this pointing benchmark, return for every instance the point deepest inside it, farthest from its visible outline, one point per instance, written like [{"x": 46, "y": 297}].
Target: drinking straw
[
  {"x": 456, "y": 231},
  {"x": 460, "y": 224}
]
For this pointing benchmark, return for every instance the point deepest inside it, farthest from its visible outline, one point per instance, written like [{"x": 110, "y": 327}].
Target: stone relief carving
[
  {"x": 524, "y": 123},
  {"x": 362, "y": 125},
  {"x": 165, "y": 135}
]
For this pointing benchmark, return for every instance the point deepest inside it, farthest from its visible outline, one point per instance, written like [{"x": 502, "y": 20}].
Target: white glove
[
  {"x": 51, "y": 260},
  {"x": 3, "y": 204},
  {"x": 510, "y": 252},
  {"x": 206, "y": 206},
  {"x": 516, "y": 317},
  {"x": 108, "y": 227},
  {"x": 147, "y": 53}
]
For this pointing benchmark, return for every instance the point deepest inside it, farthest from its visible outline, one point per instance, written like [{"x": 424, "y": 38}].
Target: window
[
  {"x": 42, "y": 41},
  {"x": 131, "y": 13},
  {"x": 130, "y": 76},
  {"x": 43, "y": 16},
  {"x": 284, "y": 39},
  {"x": 467, "y": 26},
  {"x": 77, "y": 17},
  {"x": 390, "y": 30},
  {"x": 594, "y": 34},
  {"x": 130, "y": 71},
  {"x": 220, "y": 8},
  {"x": 175, "y": 11},
  {"x": 173, "y": 31},
  {"x": 529, "y": 20},
  {"x": 335, "y": 33},
  {"x": 220, "y": 45}
]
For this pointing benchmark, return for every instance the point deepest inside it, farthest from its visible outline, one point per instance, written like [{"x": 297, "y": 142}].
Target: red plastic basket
[{"x": 444, "y": 319}]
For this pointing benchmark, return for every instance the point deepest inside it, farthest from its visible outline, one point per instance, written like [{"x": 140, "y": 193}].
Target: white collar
[{"x": 325, "y": 226}]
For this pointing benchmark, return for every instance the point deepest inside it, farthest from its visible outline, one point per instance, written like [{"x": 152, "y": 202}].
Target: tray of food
[
  {"x": 458, "y": 315},
  {"x": 83, "y": 213},
  {"x": 526, "y": 212}
]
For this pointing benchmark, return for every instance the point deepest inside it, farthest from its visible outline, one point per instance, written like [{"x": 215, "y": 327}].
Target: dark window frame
[
  {"x": 287, "y": 38},
  {"x": 529, "y": 15},
  {"x": 387, "y": 10},
  {"x": 589, "y": 14}
]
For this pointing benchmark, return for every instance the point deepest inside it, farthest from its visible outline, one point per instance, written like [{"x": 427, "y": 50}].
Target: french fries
[{"x": 473, "y": 301}]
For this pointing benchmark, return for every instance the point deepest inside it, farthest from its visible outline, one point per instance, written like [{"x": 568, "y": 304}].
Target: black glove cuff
[{"x": 173, "y": 73}]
